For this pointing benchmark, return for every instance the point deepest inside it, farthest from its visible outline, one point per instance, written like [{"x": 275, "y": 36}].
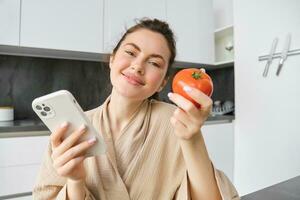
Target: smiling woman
[
  {"x": 155, "y": 150},
  {"x": 141, "y": 62}
]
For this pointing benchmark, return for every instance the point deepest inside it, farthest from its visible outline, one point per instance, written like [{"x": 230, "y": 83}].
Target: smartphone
[{"x": 61, "y": 106}]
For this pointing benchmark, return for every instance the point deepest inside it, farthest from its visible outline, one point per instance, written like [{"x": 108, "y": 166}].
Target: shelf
[
  {"x": 224, "y": 28},
  {"x": 227, "y": 63},
  {"x": 224, "y": 39}
]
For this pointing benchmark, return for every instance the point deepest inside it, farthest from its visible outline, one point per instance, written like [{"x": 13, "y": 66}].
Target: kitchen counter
[
  {"x": 287, "y": 190},
  {"x": 22, "y": 128}
]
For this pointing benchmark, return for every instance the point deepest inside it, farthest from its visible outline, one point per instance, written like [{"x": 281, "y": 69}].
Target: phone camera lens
[
  {"x": 38, "y": 107},
  {"x": 46, "y": 108},
  {"x": 43, "y": 113}
]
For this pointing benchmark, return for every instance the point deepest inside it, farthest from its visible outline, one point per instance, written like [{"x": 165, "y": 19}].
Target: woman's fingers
[
  {"x": 69, "y": 166},
  {"x": 69, "y": 142},
  {"x": 180, "y": 128},
  {"x": 182, "y": 116},
  {"x": 73, "y": 152},
  {"x": 201, "y": 98},
  {"x": 56, "y": 137},
  {"x": 184, "y": 104}
]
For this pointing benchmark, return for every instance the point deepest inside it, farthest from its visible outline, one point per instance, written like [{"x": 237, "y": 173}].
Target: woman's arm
[
  {"x": 200, "y": 171},
  {"x": 187, "y": 121}
]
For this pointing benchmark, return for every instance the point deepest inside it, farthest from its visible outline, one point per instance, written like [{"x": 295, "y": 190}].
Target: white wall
[{"x": 267, "y": 131}]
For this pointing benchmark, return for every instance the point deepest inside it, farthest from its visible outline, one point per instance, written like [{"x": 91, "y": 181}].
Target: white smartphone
[{"x": 59, "y": 107}]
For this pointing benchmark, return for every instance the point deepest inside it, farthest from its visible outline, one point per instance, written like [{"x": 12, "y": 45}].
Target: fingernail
[
  {"x": 187, "y": 88},
  {"x": 82, "y": 127},
  {"x": 92, "y": 140},
  {"x": 169, "y": 94},
  {"x": 64, "y": 125}
]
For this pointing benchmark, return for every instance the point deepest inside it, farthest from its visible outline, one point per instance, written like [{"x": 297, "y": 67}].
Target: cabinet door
[
  {"x": 192, "y": 22},
  {"x": 20, "y": 160},
  {"x": 17, "y": 179},
  {"x": 64, "y": 25},
  {"x": 10, "y": 22},
  {"x": 22, "y": 150},
  {"x": 120, "y": 15},
  {"x": 223, "y": 13},
  {"x": 219, "y": 140}
]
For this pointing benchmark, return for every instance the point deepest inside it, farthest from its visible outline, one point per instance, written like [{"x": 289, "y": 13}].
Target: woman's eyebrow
[
  {"x": 134, "y": 45},
  {"x": 138, "y": 48},
  {"x": 157, "y": 56}
]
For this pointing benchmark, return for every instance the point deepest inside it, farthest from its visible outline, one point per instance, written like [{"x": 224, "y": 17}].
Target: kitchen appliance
[{"x": 6, "y": 113}]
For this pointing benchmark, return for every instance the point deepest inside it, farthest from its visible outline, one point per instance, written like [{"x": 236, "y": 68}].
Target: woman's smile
[{"x": 132, "y": 79}]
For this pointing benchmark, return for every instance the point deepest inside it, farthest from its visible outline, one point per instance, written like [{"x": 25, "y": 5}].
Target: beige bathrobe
[{"x": 145, "y": 163}]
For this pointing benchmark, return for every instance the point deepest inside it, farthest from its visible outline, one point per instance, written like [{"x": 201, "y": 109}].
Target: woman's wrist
[
  {"x": 75, "y": 181},
  {"x": 196, "y": 139},
  {"x": 75, "y": 189}
]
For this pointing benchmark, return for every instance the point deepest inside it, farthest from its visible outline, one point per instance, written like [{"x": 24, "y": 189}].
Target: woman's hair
[{"x": 156, "y": 26}]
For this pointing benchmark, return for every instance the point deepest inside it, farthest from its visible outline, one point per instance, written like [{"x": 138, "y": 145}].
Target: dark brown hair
[{"x": 157, "y": 26}]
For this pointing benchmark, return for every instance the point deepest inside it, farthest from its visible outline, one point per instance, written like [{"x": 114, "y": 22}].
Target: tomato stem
[{"x": 196, "y": 75}]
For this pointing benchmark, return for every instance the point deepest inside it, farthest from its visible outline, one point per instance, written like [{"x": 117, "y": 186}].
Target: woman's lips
[{"x": 133, "y": 79}]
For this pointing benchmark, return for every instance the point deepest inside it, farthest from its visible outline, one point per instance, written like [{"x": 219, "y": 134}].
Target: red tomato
[{"x": 194, "y": 78}]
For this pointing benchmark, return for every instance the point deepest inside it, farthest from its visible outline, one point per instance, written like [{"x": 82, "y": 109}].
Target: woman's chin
[{"x": 131, "y": 94}]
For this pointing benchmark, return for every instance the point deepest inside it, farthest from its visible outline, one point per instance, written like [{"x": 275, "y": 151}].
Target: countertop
[
  {"x": 21, "y": 128},
  {"x": 287, "y": 190}
]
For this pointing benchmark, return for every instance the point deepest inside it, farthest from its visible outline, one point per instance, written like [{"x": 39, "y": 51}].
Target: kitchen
[{"x": 256, "y": 145}]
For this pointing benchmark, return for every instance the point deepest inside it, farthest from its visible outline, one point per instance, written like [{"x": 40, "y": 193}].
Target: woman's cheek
[{"x": 156, "y": 80}]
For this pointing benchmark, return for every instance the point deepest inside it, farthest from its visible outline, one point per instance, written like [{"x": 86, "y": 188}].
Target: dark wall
[{"x": 24, "y": 78}]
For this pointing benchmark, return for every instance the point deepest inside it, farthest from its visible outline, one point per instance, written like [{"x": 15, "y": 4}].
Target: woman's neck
[{"x": 120, "y": 110}]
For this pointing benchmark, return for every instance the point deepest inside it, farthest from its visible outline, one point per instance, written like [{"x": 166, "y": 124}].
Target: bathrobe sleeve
[
  {"x": 49, "y": 185},
  {"x": 227, "y": 190}
]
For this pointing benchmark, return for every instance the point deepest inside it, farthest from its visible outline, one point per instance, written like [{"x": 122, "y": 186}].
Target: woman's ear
[{"x": 111, "y": 59}]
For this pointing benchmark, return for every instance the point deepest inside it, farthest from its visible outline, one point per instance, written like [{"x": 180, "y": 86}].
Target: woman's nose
[{"x": 138, "y": 67}]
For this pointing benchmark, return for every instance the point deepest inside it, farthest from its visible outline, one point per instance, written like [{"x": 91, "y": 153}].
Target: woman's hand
[
  {"x": 67, "y": 155},
  {"x": 187, "y": 118}
]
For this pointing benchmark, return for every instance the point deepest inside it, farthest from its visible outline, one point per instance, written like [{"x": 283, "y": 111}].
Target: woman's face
[{"x": 139, "y": 66}]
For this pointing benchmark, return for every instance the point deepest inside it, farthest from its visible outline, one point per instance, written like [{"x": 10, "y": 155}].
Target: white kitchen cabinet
[
  {"x": 192, "y": 22},
  {"x": 223, "y": 25},
  {"x": 64, "y": 25},
  {"x": 120, "y": 15},
  {"x": 20, "y": 159},
  {"x": 219, "y": 140},
  {"x": 223, "y": 13},
  {"x": 22, "y": 150},
  {"x": 9, "y": 22},
  {"x": 18, "y": 179},
  {"x": 96, "y": 26}
]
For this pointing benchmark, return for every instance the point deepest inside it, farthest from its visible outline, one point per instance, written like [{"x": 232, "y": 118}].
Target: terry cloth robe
[{"x": 144, "y": 163}]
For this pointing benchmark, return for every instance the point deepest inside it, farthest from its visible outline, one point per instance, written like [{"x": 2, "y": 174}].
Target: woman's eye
[
  {"x": 129, "y": 53},
  {"x": 154, "y": 64}
]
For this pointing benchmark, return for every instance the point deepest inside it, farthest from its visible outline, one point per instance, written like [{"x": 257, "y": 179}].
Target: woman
[{"x": 155, "y": 150}]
